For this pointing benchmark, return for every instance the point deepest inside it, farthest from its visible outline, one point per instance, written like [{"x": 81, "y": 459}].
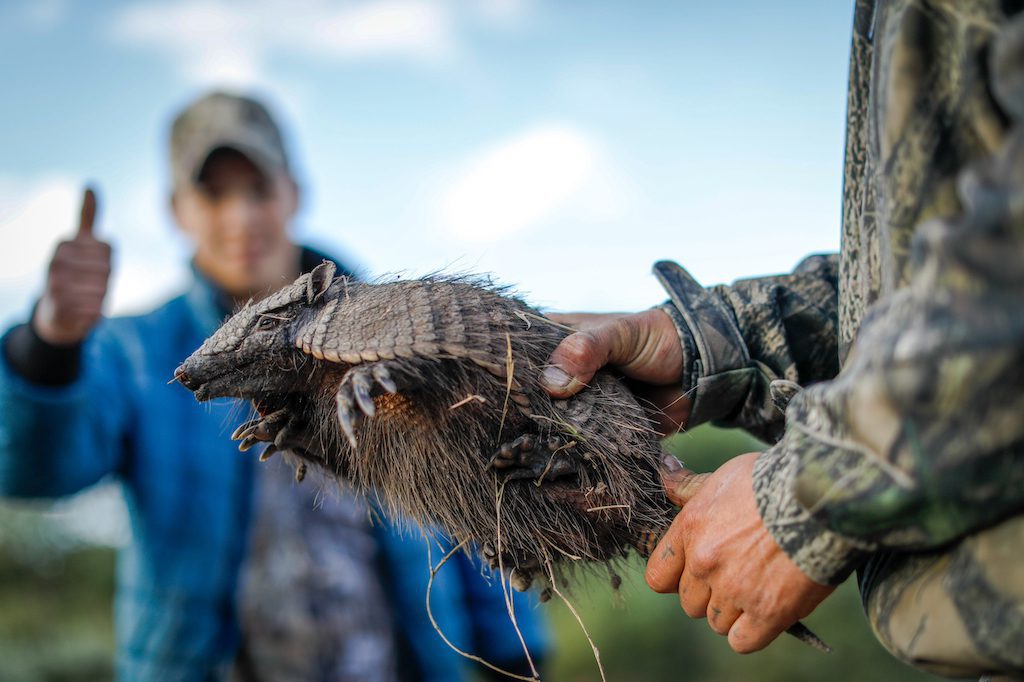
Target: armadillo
[{"x": 426, "y": 393}]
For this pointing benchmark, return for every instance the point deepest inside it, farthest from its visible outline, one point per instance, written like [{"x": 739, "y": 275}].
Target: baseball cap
[{"x": 218, "y": 120}]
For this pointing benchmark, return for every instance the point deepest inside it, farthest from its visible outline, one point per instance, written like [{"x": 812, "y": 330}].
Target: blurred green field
[
  {"x": 55, "y": 621},
  {"x": 55, "y": 603}
]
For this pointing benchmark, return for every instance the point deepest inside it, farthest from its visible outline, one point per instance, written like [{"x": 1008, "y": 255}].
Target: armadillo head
[{"x": 253, "y": 354}]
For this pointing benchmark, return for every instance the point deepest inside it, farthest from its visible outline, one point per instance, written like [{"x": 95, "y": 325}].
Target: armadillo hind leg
[
  {"x": 521, "y": 575},
  {"x": 534, "y": 457}
]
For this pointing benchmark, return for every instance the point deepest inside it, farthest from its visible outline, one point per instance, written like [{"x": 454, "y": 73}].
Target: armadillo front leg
[
  {"x": 278, "y": 429},
  {"x": 281, "y": 431},
  {"x": 357, "y": 389},
  {"x": 263, "y": 429}
]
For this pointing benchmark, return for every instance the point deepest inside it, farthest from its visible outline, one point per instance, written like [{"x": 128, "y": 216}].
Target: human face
[{"x": 238, "y": 219}]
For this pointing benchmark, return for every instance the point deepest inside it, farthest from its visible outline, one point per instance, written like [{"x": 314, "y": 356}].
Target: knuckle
[
  {"x": 577, "y": 355},
  {"x": 60, "y": 254},
  {"x": 768, "y": 605},
  {"x": 702, "y": 561},
  {"x": 579, "y": 348},
  {"x": 66, "y": 255}
]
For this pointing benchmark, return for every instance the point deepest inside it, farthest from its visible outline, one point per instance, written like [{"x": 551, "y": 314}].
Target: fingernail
[
  {"x": 554, "y": 377},
  {"x": 671, "y": 463}
]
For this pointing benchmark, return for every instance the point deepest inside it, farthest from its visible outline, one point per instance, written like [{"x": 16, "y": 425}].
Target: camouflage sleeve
[
  {"x": 749, "y": 341},
  {"x": 920, "y": 440}
]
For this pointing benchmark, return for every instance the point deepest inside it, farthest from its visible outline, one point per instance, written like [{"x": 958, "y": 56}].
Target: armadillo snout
[{"x": 183, "y": 377}]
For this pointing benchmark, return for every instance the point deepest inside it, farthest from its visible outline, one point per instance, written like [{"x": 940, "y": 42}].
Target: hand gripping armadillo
[{"x": 426, "y": 392}]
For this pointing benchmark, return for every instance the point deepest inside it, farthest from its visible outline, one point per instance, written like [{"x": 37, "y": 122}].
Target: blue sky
[{"x": 562, "y": 146}]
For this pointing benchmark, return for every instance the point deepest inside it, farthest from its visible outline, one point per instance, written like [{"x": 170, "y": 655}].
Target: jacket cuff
[
  {"x": 17, "y": 388},
  {"x": 716, "y": 362},
  {"x": 823, "y": 555},
  {"x": 38, "y": 361}
]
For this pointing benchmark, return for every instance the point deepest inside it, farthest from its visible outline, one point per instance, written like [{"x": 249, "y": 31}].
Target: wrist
[
  {"x": 717, "y": 371},
  {"x": 690, "y": 370},
  {"x": 824, "y": 556},
  {"x": 38, "y": 360}
]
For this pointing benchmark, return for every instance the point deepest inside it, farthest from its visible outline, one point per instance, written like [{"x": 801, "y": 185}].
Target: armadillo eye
[{"x": 267, "y": 323}]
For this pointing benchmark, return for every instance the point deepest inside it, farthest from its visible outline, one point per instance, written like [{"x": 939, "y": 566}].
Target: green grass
[{"x": 55, "y": 617}]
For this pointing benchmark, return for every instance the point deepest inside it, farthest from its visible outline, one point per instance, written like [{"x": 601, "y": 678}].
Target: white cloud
[
  {"x": 36, "y": 213},
  {"x": 501, "y": 12},
  {"x": 400, "y": 27},
  {"x": 231, "y": 43},
  {"x": 521, "y": 181}
]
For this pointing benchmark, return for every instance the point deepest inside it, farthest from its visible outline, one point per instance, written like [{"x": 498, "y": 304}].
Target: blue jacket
[{"x": 188, "y": 492}]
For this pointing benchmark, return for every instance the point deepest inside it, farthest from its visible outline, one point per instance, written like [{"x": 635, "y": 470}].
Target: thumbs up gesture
[{"x": 76, "y": 283}]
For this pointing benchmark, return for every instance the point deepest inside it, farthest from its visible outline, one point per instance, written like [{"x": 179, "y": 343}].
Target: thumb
[
  {"x": 680, "y": 483},
  {"x": 88, "y": 215},
  {"x": 578, "y": 357}
]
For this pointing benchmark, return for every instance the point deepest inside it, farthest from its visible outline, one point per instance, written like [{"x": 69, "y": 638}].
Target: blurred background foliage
[
  {"x": 56, "y": 591},
  {"x": 56, "y": 596}
]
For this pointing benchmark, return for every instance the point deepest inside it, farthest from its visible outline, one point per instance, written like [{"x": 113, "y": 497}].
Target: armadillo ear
[{"x": 319, "y": 280}]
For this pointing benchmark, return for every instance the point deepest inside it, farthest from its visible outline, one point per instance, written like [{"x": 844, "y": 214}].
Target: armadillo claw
[
  {"x": 383, "y": 377},
  {"x": 361, "y": 386},
  {"x": 520, "y": 581},
  {"x": 345, "y": 416},
  {"x": 512, "y": 454},
  {"x": 246, "y": 429},
  {"x": 263, "y": 429},
  {"x": 357, "y": 389},
  {"x": 489, "y": 554},
  {"x": 530, "y": 456}
]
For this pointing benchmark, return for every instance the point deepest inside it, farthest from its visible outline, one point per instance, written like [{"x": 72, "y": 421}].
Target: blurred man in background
[
  {"x": 234, "y": 570},
  {"x": 901, "y": 453}
]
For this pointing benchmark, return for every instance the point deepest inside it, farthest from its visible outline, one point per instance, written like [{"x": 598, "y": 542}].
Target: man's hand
[
  {"x": 643, "y": 346},
  {"x": 76, "y": 283},
  {"x": 722, "y": 561}
]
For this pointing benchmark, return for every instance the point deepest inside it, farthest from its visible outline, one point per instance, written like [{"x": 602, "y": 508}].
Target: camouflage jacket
[{"x": 909, "y": 346}]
